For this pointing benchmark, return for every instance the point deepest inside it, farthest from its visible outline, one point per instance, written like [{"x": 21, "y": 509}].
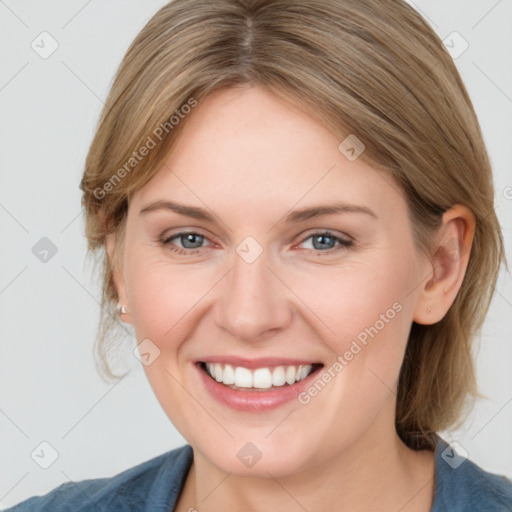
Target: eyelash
[{"x": 343, "y": 244}]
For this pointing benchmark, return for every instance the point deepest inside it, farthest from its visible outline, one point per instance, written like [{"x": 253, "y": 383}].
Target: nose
[{"x": 253, "y": 303}]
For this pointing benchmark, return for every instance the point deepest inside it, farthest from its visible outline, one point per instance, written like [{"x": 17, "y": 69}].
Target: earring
[{"x": 121, "y": 309}]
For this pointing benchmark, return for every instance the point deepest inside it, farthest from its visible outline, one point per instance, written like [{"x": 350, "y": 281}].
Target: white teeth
[
  {"x": 290, "y": 375},
  {"x": 243, "y": 377},
  {"x": 261, "y": 378},
  {"x": 228, "y": 377},
  {"x": 278, "y": 376},
  {"x": 304, "y": 371},
  {"x": 218, "y": 372}
]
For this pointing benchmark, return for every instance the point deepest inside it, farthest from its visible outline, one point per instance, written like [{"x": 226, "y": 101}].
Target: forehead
[{"x": 245, "y": 147}]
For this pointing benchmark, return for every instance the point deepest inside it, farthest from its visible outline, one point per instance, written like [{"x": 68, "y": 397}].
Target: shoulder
[
  {"x": 462, "y": 485},
  {"x": 155, "y": 483}
]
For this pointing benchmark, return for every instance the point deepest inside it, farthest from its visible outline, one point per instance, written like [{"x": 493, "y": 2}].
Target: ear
[
  {"x": 117, "y": 276},
  {"x": 447, "y": 265}
]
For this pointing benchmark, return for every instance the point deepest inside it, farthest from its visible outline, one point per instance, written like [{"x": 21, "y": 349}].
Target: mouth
[{"x": 269, "y": 378}]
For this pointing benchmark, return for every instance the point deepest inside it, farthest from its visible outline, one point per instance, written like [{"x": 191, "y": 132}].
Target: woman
[{"x": 296, "y": 208}]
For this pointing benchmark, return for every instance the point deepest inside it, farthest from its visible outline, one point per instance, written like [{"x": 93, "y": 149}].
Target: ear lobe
[{"x": 448, "y": 265}]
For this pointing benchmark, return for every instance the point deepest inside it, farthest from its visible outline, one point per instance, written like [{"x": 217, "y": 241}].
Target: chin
[{"x": 259, "y": 458}]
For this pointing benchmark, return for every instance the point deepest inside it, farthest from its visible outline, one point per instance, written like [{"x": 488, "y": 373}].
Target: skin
[{"x": 250, "y": 159}]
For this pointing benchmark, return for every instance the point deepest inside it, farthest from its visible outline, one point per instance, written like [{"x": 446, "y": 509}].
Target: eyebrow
[{"x": 292, "y": 217}]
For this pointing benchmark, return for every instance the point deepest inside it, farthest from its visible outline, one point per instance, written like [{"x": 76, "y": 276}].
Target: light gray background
[{"x": 49, "y": 311}]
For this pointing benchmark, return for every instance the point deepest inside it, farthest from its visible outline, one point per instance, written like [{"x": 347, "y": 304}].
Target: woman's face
[{"x": 261, "y": 287}]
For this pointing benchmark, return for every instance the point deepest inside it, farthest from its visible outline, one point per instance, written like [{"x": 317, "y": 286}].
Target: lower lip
[{"x": 254, "y": 401}]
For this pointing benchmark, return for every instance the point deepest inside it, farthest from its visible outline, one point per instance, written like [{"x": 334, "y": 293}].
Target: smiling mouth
[{"x": 259, "y": 379}]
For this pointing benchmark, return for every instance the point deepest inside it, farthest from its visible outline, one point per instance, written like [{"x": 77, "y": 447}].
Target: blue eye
[
  {"x": 189, "y": 240},
  {"x": 325, "y": 242},
  {"x": 192, "y": 242}
]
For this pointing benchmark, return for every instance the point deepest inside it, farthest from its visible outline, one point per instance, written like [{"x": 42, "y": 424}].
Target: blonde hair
[{"x": 373, "y": 69}]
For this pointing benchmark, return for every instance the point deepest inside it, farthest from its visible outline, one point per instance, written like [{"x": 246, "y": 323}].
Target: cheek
[
  {"x": 164, "y": 297},
  {"x": 351, "y": 299},
  {"x": 363, "y": 314},
  {"x": 364, "y": 319},
  {"x": 166, "y": 300}
]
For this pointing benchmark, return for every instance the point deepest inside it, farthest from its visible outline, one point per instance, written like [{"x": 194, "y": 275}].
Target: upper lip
[{"x": 262, "y": 362}]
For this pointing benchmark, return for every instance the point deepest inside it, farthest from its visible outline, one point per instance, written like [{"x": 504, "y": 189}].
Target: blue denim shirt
[{"x": 154, "y": 486}]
